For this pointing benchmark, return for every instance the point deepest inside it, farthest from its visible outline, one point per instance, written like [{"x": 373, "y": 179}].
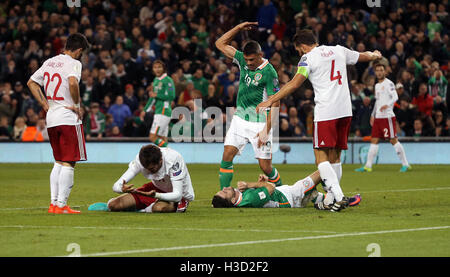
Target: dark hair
[
  {"x": 304, "y": 36},
  {"x": 76, "y": 41},
  {"x": 220, "y": 202},
  {"x": 161, "y": 63},
  {"x": 150, "y": 155},
  {"x": 251, "y": 47},
  {"x": 379, "y": 64}
]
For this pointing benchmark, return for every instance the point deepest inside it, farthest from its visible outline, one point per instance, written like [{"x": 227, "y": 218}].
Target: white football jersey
[
  {"x": 385, "y": 94},
  {"x": 173, "y": 177},
  {"x": 54, "y": 75},
  {"x": 326, "y": 69}
]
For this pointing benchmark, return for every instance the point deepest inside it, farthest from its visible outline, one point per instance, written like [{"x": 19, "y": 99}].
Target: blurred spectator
[
  {"x": 31, "y": 132},
  {"x": 404, "y": 115},
  {"x": 266, "y": 15},
  {"x": 94, "y": 122},
  {"x": 119, "y": 111},
  {"x": 200, "y": 82},
  {"x": 5, "y": 128},
  {"x": 362, "y": 119},
  {"x": 42, "y": 128},
  {"x": 437, "y": 83},
  {"x": 129, "y": 98},
  {"x": 8, "y": 107},
  {"x": 440, "y": 124},
  {"x": 419, "y": 130},
  {"x": 19, "y": 128},
  {"x": 423, "y": 101}
]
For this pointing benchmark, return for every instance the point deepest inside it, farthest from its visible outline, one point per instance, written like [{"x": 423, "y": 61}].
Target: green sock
[
  {"x": 225, "y": 174},
  {"x": 161, "y": 142},
  {"x": 274, "y": 177}
]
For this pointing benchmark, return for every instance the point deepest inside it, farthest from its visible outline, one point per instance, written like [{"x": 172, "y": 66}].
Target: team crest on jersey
[
  {"x": 176, "y": 166},
  {"x": 258, "y": 76}
]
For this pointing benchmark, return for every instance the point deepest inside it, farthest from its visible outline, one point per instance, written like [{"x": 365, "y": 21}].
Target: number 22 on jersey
[
  {"x": 338, "y": 76},
  {"x": 51, "y": 79}
]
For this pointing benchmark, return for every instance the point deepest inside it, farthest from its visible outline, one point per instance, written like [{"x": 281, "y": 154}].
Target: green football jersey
[
  {"x": 257, "y": 198},
  {"x": 164, "y": 87},
  {"x": 255, "y": 86}
]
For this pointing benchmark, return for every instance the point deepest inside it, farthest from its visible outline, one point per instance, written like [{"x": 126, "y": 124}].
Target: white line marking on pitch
[
  {"x": 261, "y": 241},
  {"x": 159, "y": 229}
]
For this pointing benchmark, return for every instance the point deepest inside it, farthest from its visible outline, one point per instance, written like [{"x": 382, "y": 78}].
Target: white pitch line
[
  {"x": 159, "y": 229},
  {"x": 260, "y": 241}
]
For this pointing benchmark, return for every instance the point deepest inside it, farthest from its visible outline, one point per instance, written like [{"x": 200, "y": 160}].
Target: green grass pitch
[{"x": 405, "y": 214}]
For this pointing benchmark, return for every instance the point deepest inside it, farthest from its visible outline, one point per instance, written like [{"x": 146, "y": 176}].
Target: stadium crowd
[{"x": 127, "y": 36}]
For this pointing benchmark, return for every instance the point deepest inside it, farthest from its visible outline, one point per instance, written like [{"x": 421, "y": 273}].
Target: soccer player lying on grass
[
  {"x": 169, "y": 191},
  {"x": 263, "y": 194}
]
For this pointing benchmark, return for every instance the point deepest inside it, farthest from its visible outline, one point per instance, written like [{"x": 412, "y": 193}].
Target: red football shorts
[
  {"x": 384, "y": 128},
  {"x": 143, "y": 201},
  {"x": 68, "y": 143},
  {"x": 332, "y": 133}
]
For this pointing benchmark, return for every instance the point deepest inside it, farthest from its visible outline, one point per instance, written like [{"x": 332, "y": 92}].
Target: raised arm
[
  {"x": 369, "y": 56},
  {"x": 224, "y": 42}
]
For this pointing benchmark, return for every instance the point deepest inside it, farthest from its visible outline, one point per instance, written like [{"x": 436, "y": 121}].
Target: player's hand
[
  {"x": 127, "y": 187},
  {"x": 45, "y": 106},
  {"x": 151, "y": 193},
  {"x": 263, "y": 178},
  {"x": 152, "y": 94},
  {"x": 377, "y": 55},
  {"x": 262, "y": 137},
  {"x": 246, "y": 26},
  {"x": 76, "y": 110},
  {"x": 242, "y": 186},
  {"x": 372, "y": 119},
  {"x": 384, "y": 108},
  {"x": 263, "y": 106}
]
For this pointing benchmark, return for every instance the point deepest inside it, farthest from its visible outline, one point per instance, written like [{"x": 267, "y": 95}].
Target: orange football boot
[
  {"x": 65, "y": 210},
  {"x": 51, "y": 209}
]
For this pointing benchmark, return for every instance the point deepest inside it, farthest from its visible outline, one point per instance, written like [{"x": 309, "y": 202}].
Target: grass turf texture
[{"x": 391, "y": 201}]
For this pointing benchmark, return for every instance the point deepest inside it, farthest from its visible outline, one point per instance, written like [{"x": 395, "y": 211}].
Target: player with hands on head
[{"x": 258, "y": 80}]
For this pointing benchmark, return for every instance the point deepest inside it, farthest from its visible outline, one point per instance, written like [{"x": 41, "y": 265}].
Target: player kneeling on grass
[
  {"x": 263, "y": 194},
  {"x": 169, "y": 191}
]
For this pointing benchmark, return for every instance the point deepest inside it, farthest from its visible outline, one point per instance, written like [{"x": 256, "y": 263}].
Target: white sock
[
  {"x": 401, "y": 153},
  {"x": 330, "y": 179},
  {"x": 54, "y": 176},
  {"x": 65, "y": 184},
  {"x": 149, "y": 209},
  {"x": 337, "y": 167},
  {"x": 373, "y": 151}
]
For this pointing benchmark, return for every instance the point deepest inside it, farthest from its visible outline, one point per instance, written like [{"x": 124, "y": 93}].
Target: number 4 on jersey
[{"x": 338, "y": 76}]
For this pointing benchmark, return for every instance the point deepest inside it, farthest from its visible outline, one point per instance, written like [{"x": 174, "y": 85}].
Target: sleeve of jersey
[
  {"x": 177, "y": 174},
  {"x": 239, "y": 59},
  {"x": 272, "y": 83},
  {"x": 255, "y": 198},
  {"x": 351, "y": 57},
  {"x": 75, "y": 70},
  {"x": 393, "y": 92},
  {"x": 132, "y": 171},
  {"x": 38, "y": 76},
  {"x": 303, "y": 67}
]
